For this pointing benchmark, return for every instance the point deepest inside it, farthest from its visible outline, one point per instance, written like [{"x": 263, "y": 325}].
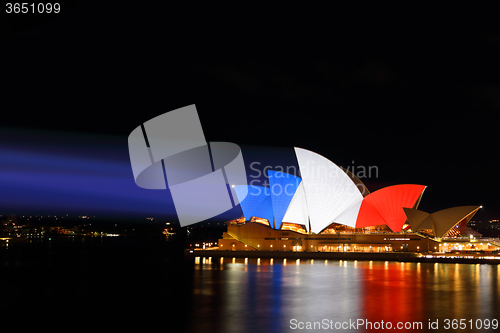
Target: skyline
[{"x": 419, "y": 104}]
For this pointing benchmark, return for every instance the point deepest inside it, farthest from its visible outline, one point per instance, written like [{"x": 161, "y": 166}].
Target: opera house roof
[
  {"x": 326, "y": 193},
  {"x": 439, "y": 223}
]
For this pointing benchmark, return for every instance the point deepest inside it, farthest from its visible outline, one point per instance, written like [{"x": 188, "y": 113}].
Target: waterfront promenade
[{"x": 376, "y": 256}]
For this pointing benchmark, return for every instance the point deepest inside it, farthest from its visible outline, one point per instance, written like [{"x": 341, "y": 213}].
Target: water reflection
[
  {"x": 263, "y": 295},
  {"x": 391, "y": 292}
]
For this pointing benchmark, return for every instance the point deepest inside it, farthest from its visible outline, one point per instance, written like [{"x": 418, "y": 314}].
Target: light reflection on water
[{"x": 263, "y": 295}]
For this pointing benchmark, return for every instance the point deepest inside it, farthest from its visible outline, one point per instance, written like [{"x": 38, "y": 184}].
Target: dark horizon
[{"x": 94, "y": 172}]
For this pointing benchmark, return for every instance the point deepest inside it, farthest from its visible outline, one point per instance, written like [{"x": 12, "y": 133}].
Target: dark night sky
[{"x": 413, "y": 90}]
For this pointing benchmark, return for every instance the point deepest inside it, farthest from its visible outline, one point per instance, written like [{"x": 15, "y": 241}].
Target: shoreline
[{"x": 392, "y": 256}]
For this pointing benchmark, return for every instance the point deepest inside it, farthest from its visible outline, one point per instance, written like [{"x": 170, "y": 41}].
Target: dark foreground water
[{"x": 116, "y": 284}]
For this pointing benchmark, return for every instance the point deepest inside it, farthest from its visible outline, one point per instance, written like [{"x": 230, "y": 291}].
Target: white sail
[
  {"x": 329, "y": 190},
  {"x": 297, "y": 210},
  {"x": 350, "y": 215}
]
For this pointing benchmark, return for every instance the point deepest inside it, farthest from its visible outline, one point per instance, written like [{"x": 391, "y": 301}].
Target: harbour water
[
  {"x": 113, "y": 284},
  {"x": 256, "y": 295}
]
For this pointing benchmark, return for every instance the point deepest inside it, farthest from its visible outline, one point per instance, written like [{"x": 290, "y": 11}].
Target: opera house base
[
  {"x": 256, "y": 240},
  {"x": 259, "y": 237}
]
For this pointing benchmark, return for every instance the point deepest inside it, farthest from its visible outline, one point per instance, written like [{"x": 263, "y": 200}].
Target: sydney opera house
[{"x": 328, "y": 209}]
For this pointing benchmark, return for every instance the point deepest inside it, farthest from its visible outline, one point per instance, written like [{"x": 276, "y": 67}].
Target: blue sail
[
  {"x": 265, "y": 210},
  {"x": 252, "y": 200},
  {"x": 283, "y": 187}
]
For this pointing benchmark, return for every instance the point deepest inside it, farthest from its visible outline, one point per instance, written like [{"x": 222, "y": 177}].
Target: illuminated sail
[
  {"x": 297, "y": 210},
  {"x": 282, "y": 187},
  {"x": 250, "y": 197},
  {"x": 441, "y": 221},
  {"x": 328, "y": 189},
  {"x": 386, "y": 205}
]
